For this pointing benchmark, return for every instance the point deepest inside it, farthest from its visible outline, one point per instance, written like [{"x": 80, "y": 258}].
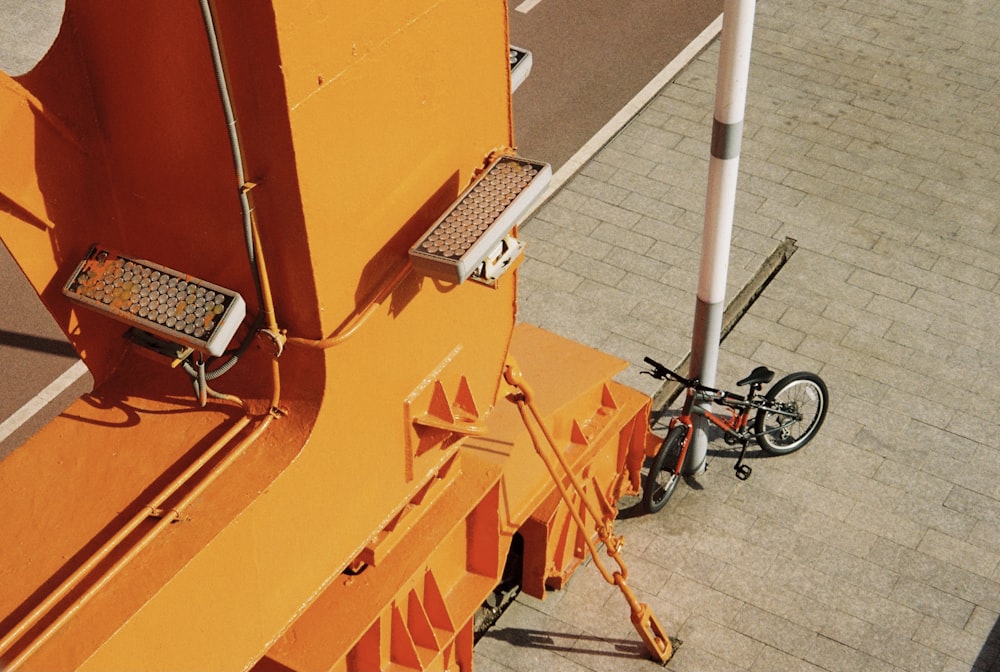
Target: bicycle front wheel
[
  {"x": 665, "y": 470},
  {"x": 796, "y": 408}
]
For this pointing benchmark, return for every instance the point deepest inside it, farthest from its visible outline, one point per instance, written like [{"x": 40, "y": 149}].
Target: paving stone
[
  {"x": 775, "y": 631},
  {"x": 696, "y": 597},
  {"x": 773, "y": 660},
  {"x": 592, "y": 270},
  {"x": 959, "y": 553},
  {"x": 656, "y": 213},
  {"x": 597, "y": 189},
  {"x": 623, "y": 238},
  {"x": 871, "y": 138},
  {"x": 692, "y": 659},
  {"x": 778, "y": 592},
  {"x": 901, "y": 652},
  {"x": 623, "y": 155},
  {"x": 720, "y": 641},
  {"x": 598, "y": 170},
  {"x": 836, "y": 657},
  {"x": 613, "y": 214},
  {"x": 932, "y": 602},
  {"x": 954, "y": 642},
  {"x": 552, "y": 277},
  {"x": 636, "y": 262},
  {"x": 882, "y": 285},
  {"x": 554, "y": 217},
  {"x": 879, "y": 520}
]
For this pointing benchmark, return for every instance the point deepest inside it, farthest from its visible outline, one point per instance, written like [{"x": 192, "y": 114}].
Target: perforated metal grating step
[
  {"x": 520, "y": 66},
  {"x": 478, "y": 222},
  {"x": 173, "y": 305}
]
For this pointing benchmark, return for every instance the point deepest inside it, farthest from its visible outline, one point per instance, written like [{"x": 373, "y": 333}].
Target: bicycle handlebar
[{"x": 661, "y": 372}]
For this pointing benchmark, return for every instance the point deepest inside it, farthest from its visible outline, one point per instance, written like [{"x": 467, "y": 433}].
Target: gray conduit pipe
[{"x": 234, "y": 142}]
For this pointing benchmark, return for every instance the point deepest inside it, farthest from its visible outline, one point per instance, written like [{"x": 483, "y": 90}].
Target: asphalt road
[
  {"x": 33, "y": 354},
  {"x": 590, "y": 59}
]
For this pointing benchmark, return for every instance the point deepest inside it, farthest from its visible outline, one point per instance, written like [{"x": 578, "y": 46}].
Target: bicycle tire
[
  {"x": 665, "y": 471},
  {"x": 802, "y": 392}
]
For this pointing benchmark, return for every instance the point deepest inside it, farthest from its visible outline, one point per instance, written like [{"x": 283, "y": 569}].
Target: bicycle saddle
[{"x": 759, "y": 376}]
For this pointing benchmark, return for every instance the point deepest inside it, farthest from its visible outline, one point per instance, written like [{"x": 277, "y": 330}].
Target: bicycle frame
[
  {"x": 734, "y": 427},
  {"x": 778, "y": 422}
]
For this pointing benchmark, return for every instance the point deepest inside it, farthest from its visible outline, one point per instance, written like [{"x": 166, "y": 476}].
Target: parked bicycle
[{"x": 787, "y": 418}]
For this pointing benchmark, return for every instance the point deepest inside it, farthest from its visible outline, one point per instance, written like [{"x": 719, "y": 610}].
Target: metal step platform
[
  {"x": 167, "y": 303},
  {"x": 472, "y": 238}
]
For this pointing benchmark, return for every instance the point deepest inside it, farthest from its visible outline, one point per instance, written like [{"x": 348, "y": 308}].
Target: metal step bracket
[
  {"x": 170, "y": 304},
  {"x": 471, "y": 234},
  {"x": 520, "y": 66},
  {"x": 500, "y": 258}
]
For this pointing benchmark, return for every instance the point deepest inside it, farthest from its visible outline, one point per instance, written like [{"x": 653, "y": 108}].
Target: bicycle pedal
[{"x": 742, "y": 471}]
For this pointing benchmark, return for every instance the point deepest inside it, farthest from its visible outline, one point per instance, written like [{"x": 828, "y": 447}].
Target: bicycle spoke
[
  {"x": 796, "y": 409},
  {"x": 664, "y": 472}
]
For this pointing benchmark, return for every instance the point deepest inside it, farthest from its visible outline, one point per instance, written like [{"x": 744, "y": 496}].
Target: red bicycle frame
[{"x": 734, "y": 427}]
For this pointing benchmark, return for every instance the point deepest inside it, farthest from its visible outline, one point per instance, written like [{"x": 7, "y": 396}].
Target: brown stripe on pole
[{"x": 726, "y": 139}]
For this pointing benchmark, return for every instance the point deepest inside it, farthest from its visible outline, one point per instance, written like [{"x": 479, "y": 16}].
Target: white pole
[{"x": 727, "y": 133}]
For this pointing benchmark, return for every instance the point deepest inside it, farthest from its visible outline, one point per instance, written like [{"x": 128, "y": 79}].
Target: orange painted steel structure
[{"x": 146, "y": 530}]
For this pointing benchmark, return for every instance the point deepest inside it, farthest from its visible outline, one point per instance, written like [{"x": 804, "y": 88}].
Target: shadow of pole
[{"x": 52, "y": 346}]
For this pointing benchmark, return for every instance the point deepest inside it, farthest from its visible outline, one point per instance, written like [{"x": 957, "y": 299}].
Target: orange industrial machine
[{"x": 282, "y": 236}]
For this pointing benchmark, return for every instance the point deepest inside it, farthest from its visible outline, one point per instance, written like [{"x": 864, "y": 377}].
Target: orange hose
[{"x": 349, "y": 330}]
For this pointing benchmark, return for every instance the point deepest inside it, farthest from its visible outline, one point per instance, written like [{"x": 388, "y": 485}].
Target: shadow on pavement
[
  {"x": 989, "y": 655},
  {"x": 565, "y": 642}
]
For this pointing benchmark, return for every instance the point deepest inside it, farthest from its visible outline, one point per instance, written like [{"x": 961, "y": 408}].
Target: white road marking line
[
  {"x": 526, "y": 6},
  {"x": 632, "y": 108},
  {"x": 42, "y": 399}
]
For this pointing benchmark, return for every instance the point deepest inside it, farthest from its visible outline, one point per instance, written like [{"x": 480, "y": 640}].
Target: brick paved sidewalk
[{"x": 873, "y": 139}]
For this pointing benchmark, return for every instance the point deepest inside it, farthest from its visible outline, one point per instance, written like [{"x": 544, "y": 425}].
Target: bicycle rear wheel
[
  {"x": 799, "y": 402},
  {"x": 665, "y": 470}
]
